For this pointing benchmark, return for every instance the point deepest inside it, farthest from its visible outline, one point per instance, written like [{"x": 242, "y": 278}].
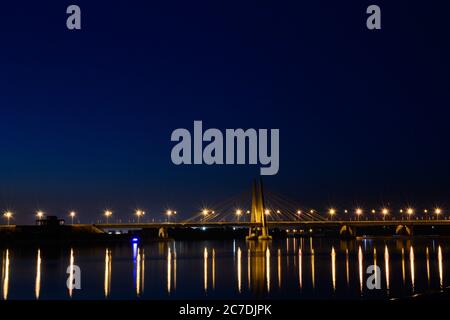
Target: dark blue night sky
[{"x": 86, "y": 116}]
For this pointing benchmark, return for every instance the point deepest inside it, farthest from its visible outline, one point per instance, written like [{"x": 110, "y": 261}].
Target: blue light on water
[
  {"x": 134, "y": 240},
  {"x": 135, "y": 249}
]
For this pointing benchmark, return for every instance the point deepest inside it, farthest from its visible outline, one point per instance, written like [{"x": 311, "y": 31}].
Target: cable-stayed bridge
[{"x": 266, "y": 211}]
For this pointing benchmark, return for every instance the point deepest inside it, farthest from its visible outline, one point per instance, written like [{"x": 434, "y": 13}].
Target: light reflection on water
[
  {"x": 205, "y": 269},
  {"x": 441, "y": 272},
  {"x": 411, "y": 264},
  {"x": 5, "y": 274},
  {"x": 37, "y": 289},
  {"x": 108, "y": 271},
  {"x": 360, "y": 268},
  {"x": 301, "y": 268},
  {"x": 386, "y": 267},
  {"x": 71, "y": 273},
  {"x": 169, "y": 270},
  {"x": 333, "y": 267}
]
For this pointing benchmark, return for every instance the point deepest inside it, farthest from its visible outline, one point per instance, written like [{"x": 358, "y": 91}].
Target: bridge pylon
[{"x": 260, "y": 231}]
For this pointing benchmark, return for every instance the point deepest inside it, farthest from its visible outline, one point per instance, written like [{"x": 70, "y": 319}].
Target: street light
[
  {"x": 267, "y": 212},
  {"x": 205, "y": 212},
  {"x": 72, "y": 215},
  {"x": 139, "y": 213},
  {"x": 385, "y": 212},
  {"x": 359, "y": 212},
  {"x": 169, "y": 213},
  {"x": 8, "y": 215},
  {"x": 425, "y": 211},
  {"x": 410, "y": 212},
  {"x": 332, "y": 212},
  {"x": 238, "y": 213},
  {"x": 108, "y": 213},
  {"x": 39, "y": 214},
  {"x": 437, "y": 211}
]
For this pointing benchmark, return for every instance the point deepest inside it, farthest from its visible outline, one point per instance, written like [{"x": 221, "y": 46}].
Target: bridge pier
[
  {"x": 258, "y": 215},
  {"x": 404, "y": 230},
  {"x": 163, "y": 233},
  {"x": 347, "y": 232}
]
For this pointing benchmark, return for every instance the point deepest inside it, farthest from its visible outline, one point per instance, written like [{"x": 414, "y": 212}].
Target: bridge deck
[{"x": 273, "y": 224}]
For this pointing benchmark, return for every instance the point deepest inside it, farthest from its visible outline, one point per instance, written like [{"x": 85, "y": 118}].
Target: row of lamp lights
[
  {"x": 332, "y": 212},
  {"x": 238, "y": 212},
  {"x": 39, "y": 215},
  {"x": 169, "y": 213},
  {"x": 72, "y": 214},
  {"x": 385, "y": 211},
  {"x": 139, "y": 213}
]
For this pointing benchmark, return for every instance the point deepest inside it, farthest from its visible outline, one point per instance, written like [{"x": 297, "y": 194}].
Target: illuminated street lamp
[
  {"x": 108, "y": 214},
  {"x": 332, "y": 212},
  {"x": 267, "y": 212},
  {"x": 410, "y": 212},
  {"x": 385, "y": 212},
  {"x": 39, "y": 214},
  {"x": 437, "y": 211},
  {"x": 72, "y": 215},
  {"x": 359, "y": 212},
  {"x": 8, "y": 216},
  {"x": 238, "y": 213},
  {"x": 169, "y": 213},
  {"x": 139, "y": 214},
  {"x": 205, "y": 212}
]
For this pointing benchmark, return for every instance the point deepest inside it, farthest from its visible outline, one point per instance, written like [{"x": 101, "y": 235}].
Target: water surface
[{"x": 293, "y": 268}]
